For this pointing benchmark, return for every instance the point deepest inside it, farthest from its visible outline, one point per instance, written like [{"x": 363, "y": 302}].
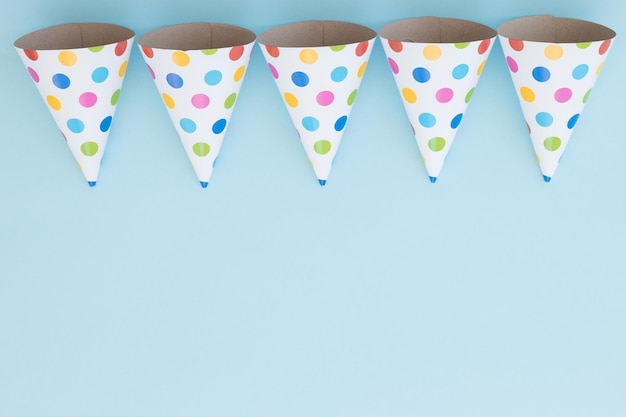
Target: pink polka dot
[
  {"x": 512, "y": 64},
  {"x": 444, "y": 95},
  {"x": 394, "y": 66},
  {"x": 325, "y": 98},
  {"x": 87, "y": 99},
  {"x": 151, "y": 72},
  {"x": 33, "y": 74},
  {"x": 562, "y": 95},
  {"x": 273, "y": 70},
  {"x": 200, "y": 101}
]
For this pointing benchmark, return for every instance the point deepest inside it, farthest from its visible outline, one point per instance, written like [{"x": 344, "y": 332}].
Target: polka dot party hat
[
  {"x": 554, "y": 63},
  {"x": 436, "y": 63},
  {"x": 318, "y": 67},
  {"x": 79, "y": 69},
  {"x": 198, "y": 69}
]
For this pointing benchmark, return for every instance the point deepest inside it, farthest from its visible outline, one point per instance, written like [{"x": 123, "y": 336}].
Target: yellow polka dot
[
  {"x": 291, "y": 100},
  {"x": 599, "y": 68},
  {"x": 527, "y": 94},
  {"x": 168, "y": 100},
  {"x": 180, "y": 58},
  {"x": 481, "y": 67},
  {"x": 53, "y": 102},
  {"x": 361, "y": 70},
  {"x": 553, "y": 52},
  {"x": 432, "y": 52},
  {"x": 409, "y": 95},
  {"x": 239, "y": 73},
  {"x": 67, "y": 58},
  {"x": 538, "y": 159},
  {"x": 308, "y": 56},
  {"x": 122, "y": 69}
]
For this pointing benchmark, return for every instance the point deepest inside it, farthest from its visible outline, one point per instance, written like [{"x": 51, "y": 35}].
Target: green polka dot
[
  {"x": 201, "y": 148},
  {"x": 436, "y": 144},
  {"x": 351, "y": 97},
  {"x": 586, "y": 96},
  {"x": 115, "y": 97},
  {"x": 209, "y": 51},
  {"x": 461, "y": 45},
  {"x": 230, "y": 100},
  {"x": 96, "y": 48},
  {"x": 468, "y": 96},
  {"x": 552, "y": 143},
  {"x": 337, "y": 48},
  {"x": 89, "y": 148},
  {"x": 583, "y": 45},
  {"x": 322, "y": 147}
]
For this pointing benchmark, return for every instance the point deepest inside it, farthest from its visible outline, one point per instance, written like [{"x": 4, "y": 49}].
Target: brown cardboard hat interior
[
  {"x": 314, "y": 33},
  {"x": 430, "y": 29},
  {"x": 73, "y": 36},
  {"x": 546, "y": 28},
  {"x": 196, "y": 36}
]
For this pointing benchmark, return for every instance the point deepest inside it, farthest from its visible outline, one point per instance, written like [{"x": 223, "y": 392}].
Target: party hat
[
  {"x": 198, "y": 69},
  {"x": 554, "y": 63},
  {"x": 318, "y": 67},
  {"x": 79, "y": 69},
  {"x": 436, "y": 63}
]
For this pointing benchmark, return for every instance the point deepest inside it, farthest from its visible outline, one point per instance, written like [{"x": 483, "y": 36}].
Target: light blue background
[{"x": 487, "y": 294}]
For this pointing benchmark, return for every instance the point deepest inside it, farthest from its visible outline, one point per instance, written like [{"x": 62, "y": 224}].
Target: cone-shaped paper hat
[
  {"x": 318, "y": 67},
  {"x": 436, "y": 63},
  {"x": 554, "y": 63},
  {"x": 198, "y": 69},
  {"x": 79, "y": 69}
]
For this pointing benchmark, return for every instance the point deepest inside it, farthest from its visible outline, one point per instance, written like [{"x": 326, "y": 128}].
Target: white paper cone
[
  {"x": 79, "y": 69},
  {"x": 318, "y": 67},
  {"x": 554, "y": 63},
  {"x": 436, "y": 63},
  {"x": 198, "y": 69}
]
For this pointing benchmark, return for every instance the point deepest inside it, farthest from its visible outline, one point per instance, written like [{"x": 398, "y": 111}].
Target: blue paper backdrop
[{"x": 487, "y": 294}]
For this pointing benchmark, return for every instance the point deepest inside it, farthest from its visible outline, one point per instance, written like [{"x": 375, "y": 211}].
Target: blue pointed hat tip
[
  {"x": 546, "y": 178},
  {"x": 433, "y": 179},
  {"x": 204, "y": 184},
  {"x": 322, "y": 182},
  {"x": 91, "y": 183}
]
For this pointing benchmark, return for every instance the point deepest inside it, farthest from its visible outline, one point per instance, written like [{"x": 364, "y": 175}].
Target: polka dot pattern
[
  {"x": 553, "y": 81},
  {"x": 81, "y": 88},
  {"x": 199, "y": 89},
  {"x": 436, "y": 83}
]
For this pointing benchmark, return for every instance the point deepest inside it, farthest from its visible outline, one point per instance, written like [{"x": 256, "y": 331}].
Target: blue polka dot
[
  {"x": 99, "y": 75},
  {"x": 460, "y": 71},
  {"x": 456, "y": 121},
  {"x": 580, "y": 71},
  {"x": 310, "y": 123},
  {"x": 572, "y": 121},
  {"x": 75, "y": 125},
  {"x": 544, "y": 119},
  {"x": 541, "y": 74},
  {"x": 421, "y": 75},
  {"x": 61, "y": 81},
  {"x": 174, "y": 80},
  {"x": 341, "y": 123},
  {"x": 427, "y": 119},
  {"x": 188, "y": 125},
  {"x": 300, "y": 79},
  {"x": 219, "y": 126},
  {"x": 339, "y": 74},
  {"x": 105, "y": 125},
  {"x": 213, "y": 77}
]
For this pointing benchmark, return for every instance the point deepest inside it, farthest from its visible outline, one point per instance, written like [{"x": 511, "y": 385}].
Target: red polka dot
[
  {"x": 484, "y": 46},
  {"x": 395, "y": 46},
  {"x": 517, "y": 45},
  {"x": 31, "y": 54},
  {"x": 235, "y": 53},
  {"x": 361, "y": 48},
  {"x": 604, "y": 47},
  {"x": 147, "y": 51},
  {"x": 273, "y": 51},
  {"x": 120, "y": 48}
]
